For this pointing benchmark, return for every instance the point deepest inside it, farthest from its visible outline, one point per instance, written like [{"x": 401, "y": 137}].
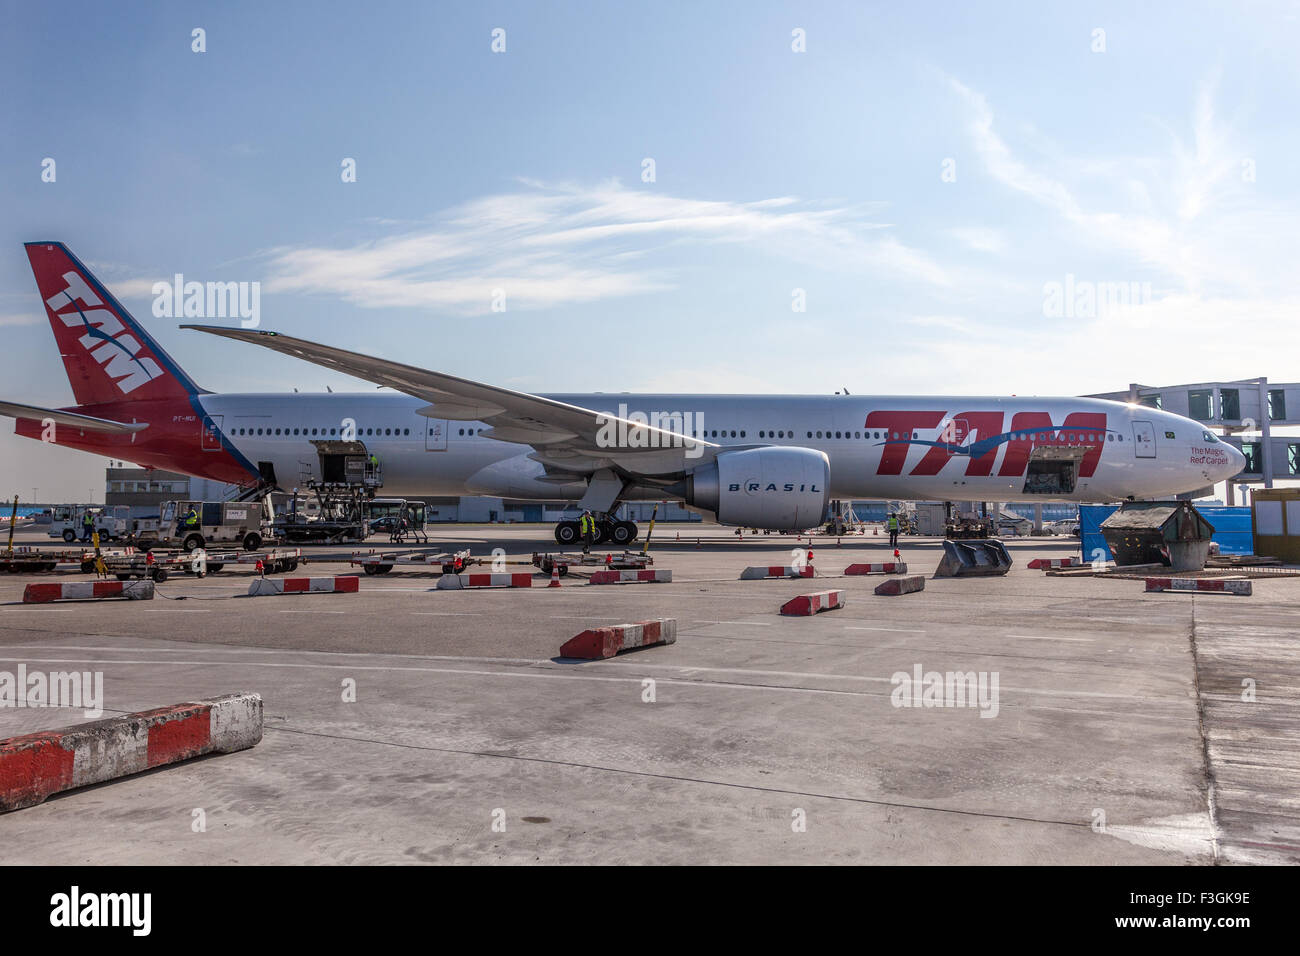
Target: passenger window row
[{"x": 322, "y": 432}]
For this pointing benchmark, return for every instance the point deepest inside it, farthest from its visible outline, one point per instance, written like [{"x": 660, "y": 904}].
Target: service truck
[
  {"x": 244, "y": 523},
  {"x": 111, "y": 521}
]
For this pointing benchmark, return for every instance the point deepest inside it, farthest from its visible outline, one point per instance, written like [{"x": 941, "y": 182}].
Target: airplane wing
[
  {"x": 72, "y": 419},
  {"x": 565, "y": 437}
]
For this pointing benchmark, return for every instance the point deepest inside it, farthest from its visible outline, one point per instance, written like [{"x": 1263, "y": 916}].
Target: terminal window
[
  {"x": 1200, "y": 402},
  {"x": 1293, "y": 458},
  {"x": 1230, "y": 404},
  {"x": 1251, "y": 450},
  {"x": 1276, "y": 404}
]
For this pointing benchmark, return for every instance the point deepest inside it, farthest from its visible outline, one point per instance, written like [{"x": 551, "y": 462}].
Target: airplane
[{"x": 766, "y": 461}]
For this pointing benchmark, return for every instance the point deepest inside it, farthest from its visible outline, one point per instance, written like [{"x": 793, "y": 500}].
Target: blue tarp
[{"x": 1231, "y": 529}]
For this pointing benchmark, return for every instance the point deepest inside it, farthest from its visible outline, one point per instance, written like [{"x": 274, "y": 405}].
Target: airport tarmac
[{"x": 1118, "y": 733}]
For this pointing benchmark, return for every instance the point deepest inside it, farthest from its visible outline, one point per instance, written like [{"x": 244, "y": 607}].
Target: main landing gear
[{"x": 608, "y": 531}]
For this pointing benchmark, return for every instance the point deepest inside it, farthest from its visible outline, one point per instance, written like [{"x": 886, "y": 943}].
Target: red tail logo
[{"x": 106, "y": 353}]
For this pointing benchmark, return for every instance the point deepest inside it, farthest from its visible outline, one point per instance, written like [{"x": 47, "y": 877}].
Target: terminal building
[{"x": 1258, "y": 417}]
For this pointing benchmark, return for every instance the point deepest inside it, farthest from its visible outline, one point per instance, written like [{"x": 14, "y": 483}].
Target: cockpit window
[{"x": 1209, "y": 437}]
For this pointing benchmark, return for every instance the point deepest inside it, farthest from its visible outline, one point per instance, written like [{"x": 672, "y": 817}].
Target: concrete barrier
[
  {"x": 599, "y": 642},
  {"x": 344, "y": 584},
  {"x": 630, "y": 577},
  {"x": 775, "y": 571},
  {"x": 1041, "y": 564},
  {"x": 896, "y": 586},
  {"x": 34, "y": 766},
  {"x": 815, "y": 603},
  {"x": 1240, "y": 586},
  {"x": 88, "y": 591},
  {"x": 888, "y": 567},
  {"x": 457, "y": 582}
]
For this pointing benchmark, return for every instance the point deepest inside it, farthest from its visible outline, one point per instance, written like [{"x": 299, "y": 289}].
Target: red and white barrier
[
  {"x": 896, "y": 586},
  {"x": 815, "y": 603},
  {"x": 462, "y": 581},
  {"x": 776, "y": 571},
  {"x": 888, "y": 567},
  {"x": 1204, "y": 585},
  {"x": 630, "y": 577},
  {"x": 599, "y": 642},
  {"x": 87, "y": 591},
  {"x": 34, "y": 766},
  {"x": 344, "y": 584},
  {"x": 1043, "y": 563}
]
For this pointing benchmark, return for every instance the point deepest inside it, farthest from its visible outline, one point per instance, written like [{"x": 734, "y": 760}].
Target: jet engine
[{"x": 784, "y": 489}]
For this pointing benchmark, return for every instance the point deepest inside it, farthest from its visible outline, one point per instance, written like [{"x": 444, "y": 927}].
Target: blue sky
[{"x": 1166, "y": 161}]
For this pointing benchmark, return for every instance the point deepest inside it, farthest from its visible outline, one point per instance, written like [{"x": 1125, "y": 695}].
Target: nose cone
[{"x": 1236, "y": 462}]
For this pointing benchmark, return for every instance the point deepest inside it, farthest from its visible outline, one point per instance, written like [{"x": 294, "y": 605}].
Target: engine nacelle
[{"x": 781, "y": 488}]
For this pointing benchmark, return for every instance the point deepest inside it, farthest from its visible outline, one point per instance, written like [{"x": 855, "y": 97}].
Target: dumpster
[{"x": 1171, "y": 533}]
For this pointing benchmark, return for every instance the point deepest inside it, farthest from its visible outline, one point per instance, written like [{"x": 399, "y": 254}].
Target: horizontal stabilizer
[{"x": 72, "y": 419}]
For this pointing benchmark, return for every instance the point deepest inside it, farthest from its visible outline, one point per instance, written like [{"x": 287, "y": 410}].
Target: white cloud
[
  {"x": 15, "y": 320},
  {"x": 1186, "y": 221},
  {"x": 548, "y": 245},
  {"x": 980, "y": 238}
]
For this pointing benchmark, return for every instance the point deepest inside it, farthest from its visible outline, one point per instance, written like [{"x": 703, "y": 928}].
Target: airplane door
[
  {"x": 211, "y": 437},
  {"x": 1144, "y": 440},
  {"x": 435, "y": 434}
]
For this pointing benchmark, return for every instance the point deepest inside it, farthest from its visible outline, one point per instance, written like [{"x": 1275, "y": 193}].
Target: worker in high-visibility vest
[
  {"x": 892, "y": 525},
  {"x": 189, "y": 522},
  {"x": 587, "y": 528},
  {"x": 87, "y": 526}
]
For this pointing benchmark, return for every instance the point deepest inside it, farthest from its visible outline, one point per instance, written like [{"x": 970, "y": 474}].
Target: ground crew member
[
  {"x": 87, "y": 526},
  {"x": 587, "y": 528},
  {"x": 189, "y": 522},
  {"x": 892, "y": 525}
]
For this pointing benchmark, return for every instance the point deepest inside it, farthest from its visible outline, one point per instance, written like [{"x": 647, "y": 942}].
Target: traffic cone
[
  {"x": 609, "y": 558},
  {"x": 837, "y": 542},
  {"x": 810, "y": 558},
  {"x": 896, "y": 554},
  {"x": 679, "y": 536},
  {"x": 260, "y": 568},
  {"x": 555, "y": 576}
]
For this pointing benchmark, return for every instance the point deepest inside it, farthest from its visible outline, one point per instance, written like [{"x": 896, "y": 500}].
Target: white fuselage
[{"x": 978, "y": 447}]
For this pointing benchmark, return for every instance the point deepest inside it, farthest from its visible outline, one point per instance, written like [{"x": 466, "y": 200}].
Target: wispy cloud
[
  {"x": 546, "y": 245},
  {"x": 21, "y": 319},
  {"x": 1189, "y": 213}
]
